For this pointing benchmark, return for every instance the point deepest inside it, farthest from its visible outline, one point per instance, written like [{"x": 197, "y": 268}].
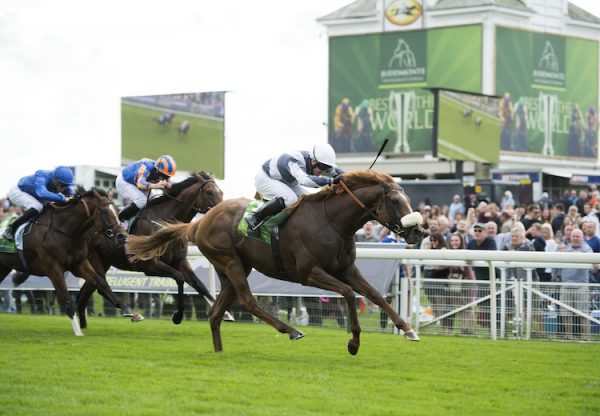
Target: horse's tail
[{"x": 155, "y": 245}]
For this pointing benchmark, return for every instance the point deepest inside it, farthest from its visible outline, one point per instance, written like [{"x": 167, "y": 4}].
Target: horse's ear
[{"x": 110, "y": 193}]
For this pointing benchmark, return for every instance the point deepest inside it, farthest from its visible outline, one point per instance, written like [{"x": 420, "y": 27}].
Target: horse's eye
[
  {"x": 210, "y": 193},
  {"x": 395, "y": 202}
]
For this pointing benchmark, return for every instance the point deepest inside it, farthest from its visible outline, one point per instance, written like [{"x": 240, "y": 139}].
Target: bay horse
[
  {"x": 196, "y": 194},
  {"x": 55, "y": 245},
  {"x": 317, "y": 247}
]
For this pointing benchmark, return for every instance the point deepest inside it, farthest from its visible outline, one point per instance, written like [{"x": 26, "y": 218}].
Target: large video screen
[
  {"x": 468, "y": 127},
  {"x": 549, "y": 85},
  {"x": 190, "y": 127},
  {"x": 377, "y": 85}
]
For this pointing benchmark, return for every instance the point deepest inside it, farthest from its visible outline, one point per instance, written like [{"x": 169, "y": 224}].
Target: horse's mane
[
  {"x": 83, "y": 193},
  {"x": 351, "y": 179},
  {"x": 177, "y": 188}
]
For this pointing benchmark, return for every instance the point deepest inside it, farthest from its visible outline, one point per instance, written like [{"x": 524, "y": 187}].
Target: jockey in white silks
[{"x": 282, "y": 179}]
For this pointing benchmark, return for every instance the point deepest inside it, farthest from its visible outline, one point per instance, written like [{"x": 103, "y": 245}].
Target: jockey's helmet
[
  {"x": 324, "y": 154},
  {"x": 166, "y": 165},
  {"x": 64, "y": 175}
]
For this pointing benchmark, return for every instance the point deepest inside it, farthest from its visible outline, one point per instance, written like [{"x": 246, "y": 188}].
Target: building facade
[{"x": 539, "y": 60}]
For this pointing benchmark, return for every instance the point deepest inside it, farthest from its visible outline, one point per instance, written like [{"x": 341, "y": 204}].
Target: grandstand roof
[{"x": 361, "y": 9}]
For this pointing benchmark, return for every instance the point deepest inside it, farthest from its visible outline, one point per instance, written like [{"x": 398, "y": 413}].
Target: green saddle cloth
[
  {"x": 265, "y": 229},
  {"x": 7, "y": 246}
]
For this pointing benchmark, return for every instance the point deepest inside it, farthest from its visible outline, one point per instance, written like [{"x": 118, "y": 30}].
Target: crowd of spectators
[{"x": 570, "y": 224}]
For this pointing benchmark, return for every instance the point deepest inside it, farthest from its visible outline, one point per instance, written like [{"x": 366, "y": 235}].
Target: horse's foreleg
[
  {"x": 87, "y": 272},
  {"x": 321, "y": 279},
  {"x": 82, "y": 300},
  {"x": 57, "y": 278},
  {"x": 160, "y": 268},
  {"x": 362, "y": 286}
]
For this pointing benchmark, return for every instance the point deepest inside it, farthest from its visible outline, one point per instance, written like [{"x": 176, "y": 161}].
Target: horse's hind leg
[
  {"x": 362, "y": 286},
  {"x": 237, "y": 276},
  {"x": 192, "y": 280},
  {"x": 215, "y": 315}
]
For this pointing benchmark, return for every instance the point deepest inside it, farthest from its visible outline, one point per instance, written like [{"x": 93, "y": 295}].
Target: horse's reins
[
  {"x": 60, "y": 207},
  {"x": 374, "y": 215}
]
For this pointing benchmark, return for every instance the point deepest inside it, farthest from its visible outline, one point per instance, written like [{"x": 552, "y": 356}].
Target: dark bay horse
[
  {"x": 56, "y": 244},
  {"x": 196, "y": 194},
  {"x": 317, "y": 247}
]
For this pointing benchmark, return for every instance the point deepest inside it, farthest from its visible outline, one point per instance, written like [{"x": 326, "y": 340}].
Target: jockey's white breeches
[
  {"x": 23, "y": 199},
  {"x": 130, "y": 193},
  {"x": 271, "y": 188}
]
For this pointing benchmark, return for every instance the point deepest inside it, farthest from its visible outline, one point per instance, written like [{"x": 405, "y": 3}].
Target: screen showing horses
[
  {"x": 468, "y": 127},
  {"x": 189, "y": 127}
]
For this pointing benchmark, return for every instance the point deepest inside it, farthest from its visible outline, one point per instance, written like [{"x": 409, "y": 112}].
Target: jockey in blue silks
[
  {"x": 135, "y": 182},
  {"x": 32, "y": 191},
  {"x": 282, "y": 179}
]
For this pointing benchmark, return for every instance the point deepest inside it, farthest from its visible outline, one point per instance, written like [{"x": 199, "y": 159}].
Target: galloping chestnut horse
[
  {"x": 317, "y": 247},
  {"x": 181, "y": 202},
  {"x": 56, "y": 244}
]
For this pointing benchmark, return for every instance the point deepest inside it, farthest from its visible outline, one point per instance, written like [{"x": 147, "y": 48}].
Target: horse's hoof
[
  {"x": 137, "y": 317},
  {"x": 176, "y": 318},
  {"x": 352, "y": 347},
  {"x": 296, "y": 335},
  {"x": 411, "y": 335},
  {"x": 228, "y": 317}
]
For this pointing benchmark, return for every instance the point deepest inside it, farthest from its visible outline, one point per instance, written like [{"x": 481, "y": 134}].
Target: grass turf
[{"x": 156, "y": 368}]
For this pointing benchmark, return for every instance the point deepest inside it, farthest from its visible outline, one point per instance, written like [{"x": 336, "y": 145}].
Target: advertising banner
[
  {"x": 549, "y": 85},
  {"x": 376, "y": 85}
]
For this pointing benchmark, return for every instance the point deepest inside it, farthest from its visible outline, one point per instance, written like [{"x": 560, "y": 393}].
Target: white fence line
[{"x": 477, "y": 258}]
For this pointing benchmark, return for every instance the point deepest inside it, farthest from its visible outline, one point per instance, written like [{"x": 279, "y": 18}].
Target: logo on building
[
  {"x": 403, "y": 12},
  {"x": 548, "y": 62},
  {"x": 402, "y": 65},
  {"x": 404, "y": 57}
]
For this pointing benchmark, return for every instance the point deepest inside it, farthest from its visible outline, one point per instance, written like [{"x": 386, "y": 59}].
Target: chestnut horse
[
  {"x": 56, "y": 244},
  {"x": 317, "y": 247},
  {"x": 196, "y": 194}
]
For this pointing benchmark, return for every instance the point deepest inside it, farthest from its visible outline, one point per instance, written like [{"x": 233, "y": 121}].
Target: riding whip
[{"x": 378, "y": 154}]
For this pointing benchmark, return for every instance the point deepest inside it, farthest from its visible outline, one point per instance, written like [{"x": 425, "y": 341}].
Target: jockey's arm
[
  {"x": 142, "y": 179},
  {"x": 304, "y": 179},
  {"x": 42, "y": 192}
]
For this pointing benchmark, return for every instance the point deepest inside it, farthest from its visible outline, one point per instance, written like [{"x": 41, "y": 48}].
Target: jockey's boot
[
  {"x": 9, "y": 232},
  {"x": 267, "y": 209},
  {"x": 128, "y": 212}
]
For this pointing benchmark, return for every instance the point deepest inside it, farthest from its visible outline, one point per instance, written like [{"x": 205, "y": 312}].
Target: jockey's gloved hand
[
  {"x": 336, "y": 179},
  {"x": 69, "y": 198}
]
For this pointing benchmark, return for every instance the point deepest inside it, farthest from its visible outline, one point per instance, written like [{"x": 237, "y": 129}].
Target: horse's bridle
[
  {"x": 387, "y": 189},
  {"x": 191, "y": 206},
  {"x": 108, "y": 228}
]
